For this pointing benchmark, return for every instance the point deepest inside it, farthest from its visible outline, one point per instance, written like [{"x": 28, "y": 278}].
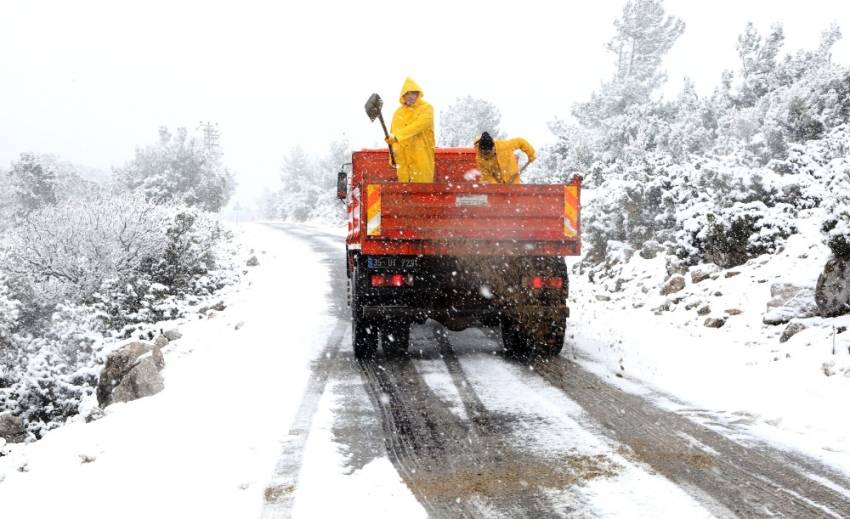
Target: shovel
[
  {"x": 373, "y": 110},
  {"x": 518, "y": 173}
]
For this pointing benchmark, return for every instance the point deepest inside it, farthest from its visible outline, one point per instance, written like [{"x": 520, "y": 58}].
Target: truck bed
[{"x": 454, "y": 216}]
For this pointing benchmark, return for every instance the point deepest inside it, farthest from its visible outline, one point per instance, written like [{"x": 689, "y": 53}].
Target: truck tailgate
[{"x": 516, "y": 212}]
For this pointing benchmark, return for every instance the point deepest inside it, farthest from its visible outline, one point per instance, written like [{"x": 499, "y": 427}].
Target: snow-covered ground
[
  {"x": 207, "y": 445},
  {"x": 738, "y": 378}
]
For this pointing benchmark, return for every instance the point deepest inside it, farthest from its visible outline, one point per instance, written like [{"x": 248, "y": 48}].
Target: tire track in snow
[
  {"x": 465, "y": 468},
  {"x": 749, "y": 481},
  {"x": 280, "y": 490}
]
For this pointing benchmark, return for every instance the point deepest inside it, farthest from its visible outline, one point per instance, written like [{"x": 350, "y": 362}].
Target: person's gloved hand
[{"x": 391, "y": 139}]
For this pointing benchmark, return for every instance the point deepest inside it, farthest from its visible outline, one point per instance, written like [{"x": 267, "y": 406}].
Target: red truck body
[
  {"x": 458, "y": 251},
  {"x": 456, "y": 216}
]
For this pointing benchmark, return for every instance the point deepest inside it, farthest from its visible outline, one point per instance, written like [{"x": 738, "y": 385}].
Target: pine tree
[
  {"x": 644, "y": 34},
  {"x": 299, "y": 191}
]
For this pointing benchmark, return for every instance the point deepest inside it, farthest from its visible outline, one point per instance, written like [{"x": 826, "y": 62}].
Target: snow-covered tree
[
  {"x": 623, "y": 119},
  {"x": 180, "y": 168},
  {"x": 464, "y": 121},
  {"x": 299, "y": 191},
  {"x": 33, "y": 184},
  {"x": 758, "y": 63},
  {"x": 644, "y": 34}
]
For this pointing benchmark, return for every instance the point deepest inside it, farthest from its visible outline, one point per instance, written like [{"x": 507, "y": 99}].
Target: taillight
[
  {"x": 555, "y": 282},
  {"x": 538, "y": 282},
  {"x": 392, "y": 280}
]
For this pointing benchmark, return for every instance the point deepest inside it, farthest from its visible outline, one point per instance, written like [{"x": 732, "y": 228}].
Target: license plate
[
  {"x": 471, "y": 201},
  {"x": 390, "y": 262}
]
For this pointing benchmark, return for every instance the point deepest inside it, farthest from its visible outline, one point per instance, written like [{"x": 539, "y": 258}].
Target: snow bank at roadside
[
  {"x": 739, "y": 375},
  {"x": 204, "y": 446}
]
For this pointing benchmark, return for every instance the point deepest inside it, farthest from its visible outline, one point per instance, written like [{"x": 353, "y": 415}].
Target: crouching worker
[
  {"x": 412, "y": 135},
  {"x": 496, "y": 160}
]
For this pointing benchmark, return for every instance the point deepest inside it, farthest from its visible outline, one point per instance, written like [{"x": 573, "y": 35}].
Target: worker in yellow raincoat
[
  {"x": 496, "y": 160},
  {"x": 412, "y": 135}
]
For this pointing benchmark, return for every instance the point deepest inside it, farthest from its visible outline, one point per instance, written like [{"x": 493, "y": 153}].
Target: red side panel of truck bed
[{"x": 454, "y": 216}]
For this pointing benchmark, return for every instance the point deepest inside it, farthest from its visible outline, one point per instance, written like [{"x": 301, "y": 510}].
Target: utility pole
[{"x": 211, "y": 135}]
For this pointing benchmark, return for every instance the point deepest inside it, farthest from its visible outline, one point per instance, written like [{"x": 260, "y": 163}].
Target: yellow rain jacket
[
  {"x": 502, "y": 167},
  {"x": 413, "y": 126}
]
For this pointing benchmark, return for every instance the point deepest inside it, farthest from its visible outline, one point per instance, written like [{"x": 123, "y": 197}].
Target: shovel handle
[{"x": 387, "y": 134}]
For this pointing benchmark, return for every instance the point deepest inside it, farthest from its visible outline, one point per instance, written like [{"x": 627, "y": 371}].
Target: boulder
[
  {"x": 252, "y": 261},
  {"x": 791, "y": 330},
  {"x": 704, "y": 310},
  {"x": 734, "y": 311},
  {"x": 703, "y": 272},
  {"x": 160, "y": 341},
  {"x": 693, "y": 304},
  {"x": 714, "y": 322},
  {"x": 12, "y": 428},
  {"x": 173, "y": 334},
  {"x": 674, "y": 284},
  {"x": 120, "y": 363},
  {"x": 789, "y": 301},
  {"x": 832, "y": 293},
  {"x": 142, "y": 380},
  {"x": 731, "y": 274}
]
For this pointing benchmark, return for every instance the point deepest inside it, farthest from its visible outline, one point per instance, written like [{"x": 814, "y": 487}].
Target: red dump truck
[{"x": 456, "y": 251}]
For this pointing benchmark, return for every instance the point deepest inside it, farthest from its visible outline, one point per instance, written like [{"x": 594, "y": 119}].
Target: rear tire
[
  {"x": 364, "y": 338},
  {"x": 537, "y": 339},
  {"x": 364, "y": 332},
  {"x": 514, "y": 340},
  {"x": 395, "y": 338},
  {"x": 547, "y": 338}
]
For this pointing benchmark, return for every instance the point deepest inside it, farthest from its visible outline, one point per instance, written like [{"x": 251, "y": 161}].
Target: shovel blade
[{"x": 373, "y": 106}]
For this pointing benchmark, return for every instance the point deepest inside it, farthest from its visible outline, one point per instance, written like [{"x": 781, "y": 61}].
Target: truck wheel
[
  {"x": 513, "y": 338},
  {"x": 364, "y": 332},
  {"x": 395, "y": 338},
  {"x": 364, "y": 337},
  {"x": 548, "y": 341}
]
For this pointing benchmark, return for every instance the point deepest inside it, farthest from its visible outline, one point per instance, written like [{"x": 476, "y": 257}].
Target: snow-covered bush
[
  {"x": 87, "y": 270},
  {"x": 9, "y": 310},
  {"x": 69, "y": 249},
  {"x": 189, "y": 248}
]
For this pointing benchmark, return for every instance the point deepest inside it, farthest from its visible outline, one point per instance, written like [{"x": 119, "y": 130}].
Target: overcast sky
[{"x": 90, "y": 81}]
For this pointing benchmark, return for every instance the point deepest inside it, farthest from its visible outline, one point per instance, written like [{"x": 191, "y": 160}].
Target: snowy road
[{"x": 455, "y": 429}]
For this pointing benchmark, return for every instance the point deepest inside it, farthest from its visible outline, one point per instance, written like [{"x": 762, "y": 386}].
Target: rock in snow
[
  {"x": 791, "y": 330},
  {"x": 789, "y": 301},
  {"x": 832, "y": 294},
  {"x": 714, "y": 322},
  {"x": 142, "y": 380},
  {"x": 674, "y": 284},
  {"x": 173, "y": 334},
  {"x": 703, "y": 271},
  {"x": 12, "y": 428},
  {"x": 130, "y": 373}
]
